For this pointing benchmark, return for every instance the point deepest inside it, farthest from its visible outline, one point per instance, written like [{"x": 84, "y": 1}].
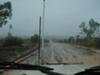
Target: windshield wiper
[
  {"x": 16, "y": 66},
  {"x": 51, "y": 73},
  {"x": 11, "y": 65},
  {"x": 90, "y": 71}
]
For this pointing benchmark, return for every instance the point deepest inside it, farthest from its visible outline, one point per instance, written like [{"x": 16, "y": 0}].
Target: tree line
[{"x": 89, "y": 35}]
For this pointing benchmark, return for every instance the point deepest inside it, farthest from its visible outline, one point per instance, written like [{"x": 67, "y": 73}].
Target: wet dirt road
[{"x": 64, "y": 58}]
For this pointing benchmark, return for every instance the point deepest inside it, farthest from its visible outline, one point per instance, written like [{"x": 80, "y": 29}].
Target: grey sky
[{"x": 62, "y": 16}]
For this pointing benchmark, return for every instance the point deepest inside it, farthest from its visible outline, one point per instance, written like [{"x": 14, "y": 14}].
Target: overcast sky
[{"x": 62, "y": 16}]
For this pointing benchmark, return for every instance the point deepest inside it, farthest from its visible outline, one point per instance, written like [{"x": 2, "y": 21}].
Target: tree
[
  {"x": 5, "y": 13},
  {"x": 9, "y": 33},
  {"x": 77, "y": 39},
  {"x": 91, "y": 29},
  {"x": 71, "y": 39},
  {"x": 35, "y": 39}
]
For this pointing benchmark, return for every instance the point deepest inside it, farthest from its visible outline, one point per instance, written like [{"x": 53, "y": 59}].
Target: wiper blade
[
  {"x": 51, "y": 73},
  {"x": 11, "y": 65},
  {"x": 97, "y": 68},
  {"x": 16, "y": 66},
  {"x": 90, "y": 71}
]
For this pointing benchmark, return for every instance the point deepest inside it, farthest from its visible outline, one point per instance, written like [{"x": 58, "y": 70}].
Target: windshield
[{"x": 59, "y": 34}]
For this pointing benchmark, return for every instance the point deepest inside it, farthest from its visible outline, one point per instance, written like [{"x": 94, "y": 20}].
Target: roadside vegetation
[
  {"x": 12, "y": 47},
  {"x": 10, "y": 40},
  {"x": 89, "y": 35}
]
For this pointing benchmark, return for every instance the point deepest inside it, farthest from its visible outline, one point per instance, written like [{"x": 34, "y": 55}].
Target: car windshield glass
[{"x": 59, "y": 34}]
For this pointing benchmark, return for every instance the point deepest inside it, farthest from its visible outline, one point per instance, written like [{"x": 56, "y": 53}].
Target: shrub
[
  {"x": 12, "y": 41},
  {"x": 88, "y": 42},
  {"x": 35, "y": 39},
  {"x": 97, "y": 43}
]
